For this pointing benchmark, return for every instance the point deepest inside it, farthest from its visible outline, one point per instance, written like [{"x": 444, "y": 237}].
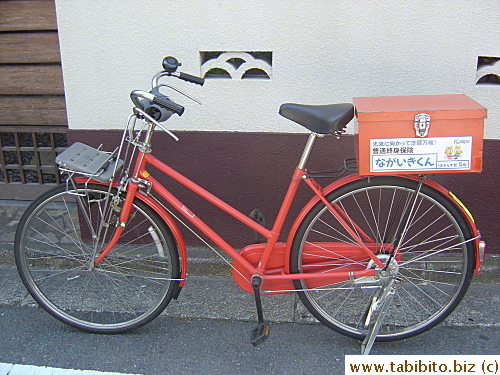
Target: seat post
[{"x": 307, "y": 150}]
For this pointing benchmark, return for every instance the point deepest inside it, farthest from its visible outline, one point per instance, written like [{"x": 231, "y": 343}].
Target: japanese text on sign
[{"x": 430, "y": 154}]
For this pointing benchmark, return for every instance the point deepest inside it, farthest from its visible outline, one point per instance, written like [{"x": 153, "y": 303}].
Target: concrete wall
[{"x": 322, "y": 52}]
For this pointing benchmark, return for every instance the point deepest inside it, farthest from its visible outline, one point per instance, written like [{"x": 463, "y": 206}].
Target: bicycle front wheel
[
  {"x": 58, "y": 239},
  {"x": 435, "y": 257}
]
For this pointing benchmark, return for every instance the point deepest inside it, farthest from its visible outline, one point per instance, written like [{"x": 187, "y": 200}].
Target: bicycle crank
[{"x": 260, "y": 333}]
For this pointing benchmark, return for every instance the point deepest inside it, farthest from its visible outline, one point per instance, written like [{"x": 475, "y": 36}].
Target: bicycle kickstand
[
  {"x": 379, "y": 305},
  {"x": 260, "y": 333}
]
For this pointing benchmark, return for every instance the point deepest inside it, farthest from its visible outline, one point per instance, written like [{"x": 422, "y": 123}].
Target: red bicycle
[{"x": 382, "y": 257}]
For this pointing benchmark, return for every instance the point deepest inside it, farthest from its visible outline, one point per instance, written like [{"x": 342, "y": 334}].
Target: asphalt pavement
[{"x": 171, "y": 345}]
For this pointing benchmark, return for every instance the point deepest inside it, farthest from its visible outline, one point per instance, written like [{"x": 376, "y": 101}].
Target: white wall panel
[{"x": 323, "y": 52}]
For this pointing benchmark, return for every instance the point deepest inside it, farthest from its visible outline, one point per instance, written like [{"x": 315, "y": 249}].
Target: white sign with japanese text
[{"x": 424, "y": 154}]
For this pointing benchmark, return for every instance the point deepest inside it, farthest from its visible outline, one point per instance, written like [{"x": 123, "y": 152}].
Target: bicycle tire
[
  {"x": 57, "y": 240},
  {"x": 436, "y": 260}
]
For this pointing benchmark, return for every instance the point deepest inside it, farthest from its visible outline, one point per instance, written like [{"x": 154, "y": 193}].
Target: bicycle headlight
[{"x": 157, "y": 113}]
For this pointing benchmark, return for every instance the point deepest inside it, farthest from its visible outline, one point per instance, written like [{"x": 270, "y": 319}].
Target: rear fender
[
  {"x": 343, "y": 181},
  {"x": 466, "y": 213}
]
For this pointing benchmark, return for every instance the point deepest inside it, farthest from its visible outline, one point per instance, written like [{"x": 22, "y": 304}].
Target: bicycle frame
[
  {"x": 142, "y": 177},
  {"x": 276, "y": 278}
]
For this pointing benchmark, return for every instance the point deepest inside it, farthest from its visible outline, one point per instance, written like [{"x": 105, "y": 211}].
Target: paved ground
[
  {"x": 185, "y": 346},
  {"x": 209, "y": 296},
  {"x": 14, "y": 369}
]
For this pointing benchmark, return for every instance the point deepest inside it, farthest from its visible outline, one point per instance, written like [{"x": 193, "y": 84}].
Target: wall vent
[
  {"x": 236, "y": 65},
  {"x": 488, "y": 70}
]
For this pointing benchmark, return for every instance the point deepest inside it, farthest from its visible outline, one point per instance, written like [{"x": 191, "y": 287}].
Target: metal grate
[{"x": 27, "y": 155}]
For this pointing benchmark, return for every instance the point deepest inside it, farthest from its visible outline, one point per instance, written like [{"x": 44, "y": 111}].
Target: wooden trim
[
  {"x": 23, "y": 48},
  {"x": 31, "y": 80},
  {"x": 31, "y": 98},
  {"x": 34, "y": 129},
  {"x": 27, "y": 15},
  {"x": 44, "y": 110}
]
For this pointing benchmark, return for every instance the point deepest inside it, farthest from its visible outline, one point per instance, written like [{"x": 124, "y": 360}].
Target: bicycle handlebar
[
  {"x": 170, "y": 65},
  {"x": 154, "y": 102},
  {"x": 166, "y": 103},
  {"x": 184, "y": 76},
  {"x": 190, "y": 78},
  {"x": 162, "y": 101}
]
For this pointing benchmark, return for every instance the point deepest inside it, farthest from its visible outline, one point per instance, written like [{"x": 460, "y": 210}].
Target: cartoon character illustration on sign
[
  {"x": 453, "y": 152},
  {"x": 448, "y": 152}
]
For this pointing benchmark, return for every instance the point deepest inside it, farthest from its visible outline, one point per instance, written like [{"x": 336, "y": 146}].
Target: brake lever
[{"x": 179, "y": 91}]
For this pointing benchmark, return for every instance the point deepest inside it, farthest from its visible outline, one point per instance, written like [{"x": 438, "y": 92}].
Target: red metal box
[{"x": 419, "y": 134}]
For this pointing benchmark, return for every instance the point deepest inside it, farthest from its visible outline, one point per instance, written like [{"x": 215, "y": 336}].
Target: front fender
[
  {"x": 172, "y": 225},
  {"x": 169, "y": 221},
  {"x": 343, "y": 181}
]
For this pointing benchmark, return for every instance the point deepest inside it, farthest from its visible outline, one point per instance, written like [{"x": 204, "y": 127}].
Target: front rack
[
  {"x": 103, "y": 166},
  {"x": 90, "y": 162}
]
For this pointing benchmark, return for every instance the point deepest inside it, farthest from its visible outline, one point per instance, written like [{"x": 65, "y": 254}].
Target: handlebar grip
[
  {"x": 168, "y": 104},
  {"x": 193, "y": 79}
]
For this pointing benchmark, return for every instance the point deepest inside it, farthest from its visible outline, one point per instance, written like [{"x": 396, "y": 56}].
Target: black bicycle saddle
[{"x": 321, "y": 119}]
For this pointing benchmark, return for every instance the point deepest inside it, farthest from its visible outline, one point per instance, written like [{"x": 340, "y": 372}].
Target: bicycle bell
[{"x": 170, "y": 64}]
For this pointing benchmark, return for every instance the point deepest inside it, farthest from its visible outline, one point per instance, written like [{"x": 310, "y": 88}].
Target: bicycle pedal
[
  {"x": 260, "y": 333},
  {"x": 257, "y": 216}
]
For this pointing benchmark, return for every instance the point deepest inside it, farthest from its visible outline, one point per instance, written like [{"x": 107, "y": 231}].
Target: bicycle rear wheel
[
  {"x": 57, "y": 240},
  {"x": 435, "y": 258}
]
